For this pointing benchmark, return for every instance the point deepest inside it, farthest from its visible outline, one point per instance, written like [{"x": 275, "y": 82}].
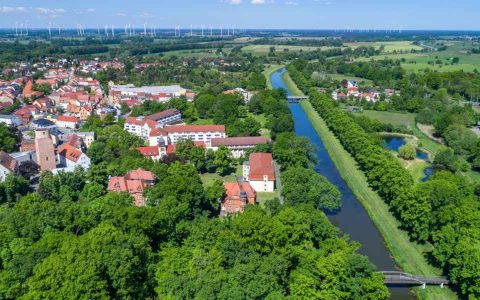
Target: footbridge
[
  {"x": 400, "y": 278},
  {"x": 296, "y": 99}
]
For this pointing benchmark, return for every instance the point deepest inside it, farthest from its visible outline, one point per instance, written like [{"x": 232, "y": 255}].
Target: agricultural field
[
  {"x": 420, "y": 61},
  {"x": 265, "y": 49},
  {"x": 341, "y": 77},
  {"x": 389, "y": 46},
  {"x": 200, "y": 53}
]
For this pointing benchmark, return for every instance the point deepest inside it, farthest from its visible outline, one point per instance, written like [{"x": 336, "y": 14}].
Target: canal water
[{"x": 352, "y": 219}]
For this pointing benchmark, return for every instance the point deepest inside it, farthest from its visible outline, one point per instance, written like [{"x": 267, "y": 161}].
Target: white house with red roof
[
  {"x": 70, "y": 157},
  {"x": 8, "y": 165},
  {"x": 140, "y": 126},
  {"x": 259, "y": 171},
  {"x": 67, "y": 122}
]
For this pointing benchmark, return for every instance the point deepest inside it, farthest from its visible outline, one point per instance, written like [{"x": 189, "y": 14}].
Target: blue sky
[{"x": 271, "y": 14}]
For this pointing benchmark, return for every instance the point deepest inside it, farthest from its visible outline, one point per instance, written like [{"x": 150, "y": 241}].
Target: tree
[
  {"x": 223, "y": 160},
  {"x": 13, "y": 187},
  {"x": 28, "y": 169},
  {"x": 9, "y": 138},
  {"x": 407, "y": 151},
  {"x": 305, "y": 186}
]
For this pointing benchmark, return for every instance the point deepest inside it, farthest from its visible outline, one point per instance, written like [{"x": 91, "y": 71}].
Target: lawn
[
  {"x": 389, "y": 46},
  {"x": 209, "y": 178},
  {"x": 341, "y": 77},
  {"x": 268, "y": 71},
  {"x": 291, "y": 85},
  {"x": 410, "y": 256},
  {"x": 202, "y": 53}
]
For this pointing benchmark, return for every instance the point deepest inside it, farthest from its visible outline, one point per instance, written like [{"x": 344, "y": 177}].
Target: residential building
[
  {"x": 68, "y": 122},
  {"x": 10, "y": 120},
  {"x": 140, "y": 126},
  {"x": 245, "y": 94},
  {"x": 237, "y": 196},
  {"x": 45, "y": 150},
  {"x": 8, "y": 165},
  {"x": 238, "y": 145},
  {"x": 71, "y": 157},
  {"x": 166, "y": 117},
  {"x": 259, "y": 171},
  {"x": 158, "y": 136},
  {"x": 87, "y": 137},
  {"x": 134, "y": 183},
  {"x": 196, "y": 133},
  {"x": 155, "y": 153},
  {"x": 156, "y": 93}
]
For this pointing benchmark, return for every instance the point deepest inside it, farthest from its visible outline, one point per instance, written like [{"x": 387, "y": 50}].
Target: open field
[
  {"x": 389, "y": 46},
  {"x": 265, "y": 49},
  {"x": 200, "y": 53},
  {"x": 410, "y": 256},
  {"x": 420, "y": 61},
  {"x": 340, "y": 77}
]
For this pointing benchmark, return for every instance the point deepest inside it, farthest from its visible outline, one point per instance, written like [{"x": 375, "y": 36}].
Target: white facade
[
  {"x": 67, "y": 124},
  {"x": 4, "y": 173},
  {"x": 83, "y": 161},
  {"x": 263, "y": 186},
  {"x": 199, "y": 136},
  {"x": 10, "y": 120}
]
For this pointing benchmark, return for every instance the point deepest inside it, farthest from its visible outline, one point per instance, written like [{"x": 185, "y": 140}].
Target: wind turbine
[
  {"x": 50, "y": 29},
  {"x": 145, "y": 29},
  {"x": 113, "y": 31},
  {"x": 16, "y": 28}
]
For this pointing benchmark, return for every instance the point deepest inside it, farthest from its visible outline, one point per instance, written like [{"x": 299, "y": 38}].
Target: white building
[
  {"x": 67, "y": 122},
  {"x": 259, "y": 171},
  {"x": 87, "y": 137},
  {"x": 10, "y": 120},
  {"x": 196, "y": 133},
  {"x": 70, "y": 157},
  {"x": 158, "y": 136},
  {"x": 139, "y": 126},
  {"x": 8, "y": 165}
]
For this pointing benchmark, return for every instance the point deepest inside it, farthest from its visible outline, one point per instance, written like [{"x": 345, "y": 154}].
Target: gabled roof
[
  {"x": 140, "y": 174},
  {"x": 261, "y": 164},
  {"x": 69, "y": 152},
  {"x": 149, "y": 151},
  {"x": 7, "y": 161},
  {"x": 163, "y": 114},
  {"x": 68, "y": 119}
]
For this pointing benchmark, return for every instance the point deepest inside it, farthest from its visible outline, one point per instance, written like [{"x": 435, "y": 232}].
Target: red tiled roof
[
  {"x": 69, "y": 152},
  {"x": 261, "y": 164},
  {"x": 163, "y": 114},
  {"x": 239, "y": 141},
  {"x": 158, "y": 132},
  {"x": 149, "y": 151},
  {"x": 195, "y": 128},
  {"x": 140, "y": 174},
  {"x": 232, "y": 190},
  {"x": 68, "y": 119}
]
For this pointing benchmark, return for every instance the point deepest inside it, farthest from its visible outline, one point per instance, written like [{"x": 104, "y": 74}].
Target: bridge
[
  {"x": 400, "y": 278},
  {"x": 296, "y": 99}
]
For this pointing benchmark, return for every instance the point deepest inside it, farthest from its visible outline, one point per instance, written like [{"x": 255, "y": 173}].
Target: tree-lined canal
[{"x": 352, "y": 219}]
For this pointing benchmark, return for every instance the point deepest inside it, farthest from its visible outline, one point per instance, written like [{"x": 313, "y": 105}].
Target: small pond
[{"x": 395, "y": 142}]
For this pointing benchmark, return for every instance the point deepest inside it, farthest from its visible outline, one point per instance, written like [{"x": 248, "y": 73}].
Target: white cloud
[
  {"x": 293, "y": 3},
  {"x": 50, "y": 11},
  {"x": 233, "y": 2},
  {"x": 258, "y": 2},
  {"x": 10, "y": 9}
]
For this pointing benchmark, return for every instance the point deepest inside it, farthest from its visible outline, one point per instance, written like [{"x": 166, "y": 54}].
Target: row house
[{"x": 157, "y": 93}]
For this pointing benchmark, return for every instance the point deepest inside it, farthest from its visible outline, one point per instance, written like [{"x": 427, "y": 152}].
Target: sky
[{"x": 248, "y": 14}]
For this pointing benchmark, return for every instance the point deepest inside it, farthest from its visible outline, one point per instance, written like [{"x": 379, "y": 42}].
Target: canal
[{"x": 352, "y": 219}]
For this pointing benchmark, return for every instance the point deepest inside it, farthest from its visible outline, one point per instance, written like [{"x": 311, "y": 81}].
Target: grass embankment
[
  {"x": 408, "y": 255},
  {"x": 291, "y": 85},
  {"x": 268, "y": 71}
]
